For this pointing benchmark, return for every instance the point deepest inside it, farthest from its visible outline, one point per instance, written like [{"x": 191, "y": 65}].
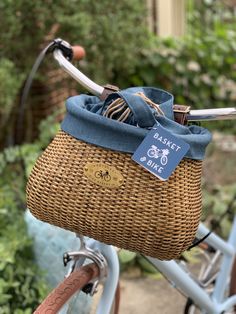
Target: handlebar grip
[{"x": 78, "y": 52}]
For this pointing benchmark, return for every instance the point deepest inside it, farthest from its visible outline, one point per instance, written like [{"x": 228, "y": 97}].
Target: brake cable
[
  {"x": 216, "y": 223},
  {"x": 67, "y": 51}
]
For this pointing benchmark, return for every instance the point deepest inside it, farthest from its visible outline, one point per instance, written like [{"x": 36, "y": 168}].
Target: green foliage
[
  {"x": 113, "y": 34},
  {"x": 199, "y": 71},
  {"x": 214, "y": 15},
  {"x": 129, "y": 259},
  {"x": 24, "y": 156},
  {"x": 105, "y": 28},
  {"x": 216, "y": 201},
  {"x": 24, "y": 24},
  {"x": 126, "y": 256},
  {"x": 10, "y": 83},
  {"x": 21, "y": 284}
]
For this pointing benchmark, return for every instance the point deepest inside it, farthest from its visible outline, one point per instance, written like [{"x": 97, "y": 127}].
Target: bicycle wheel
[
  {"x": 98, "y": 174},
  {"x": 107, "y": 177},
  {"x": 60, "y": 296},
  {"x": 151, "y": 153},
  {"x": 164, "y": 160}
]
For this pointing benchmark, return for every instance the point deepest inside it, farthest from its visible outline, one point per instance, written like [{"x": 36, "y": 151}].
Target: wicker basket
[
  {"x": 144, "y": 214},
  {"x": 103, "y": 194}
]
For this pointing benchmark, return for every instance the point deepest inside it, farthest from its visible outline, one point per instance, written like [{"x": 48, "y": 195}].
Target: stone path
[
  {"x": 146, "y": 295},
  {"x": 150, "y": 296}
]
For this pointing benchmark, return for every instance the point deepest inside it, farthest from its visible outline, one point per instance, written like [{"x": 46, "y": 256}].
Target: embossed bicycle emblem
[
  {"x": 103, "y": 175},
  {"x": 155, "y": 152}
]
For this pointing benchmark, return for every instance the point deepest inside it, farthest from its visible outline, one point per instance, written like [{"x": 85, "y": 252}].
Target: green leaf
[
  {"x": 146, "y": 265},
  {"x": 126, "y": 256}
]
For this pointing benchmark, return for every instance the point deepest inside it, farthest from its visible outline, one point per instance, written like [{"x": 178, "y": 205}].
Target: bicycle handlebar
[
  {"x": 97, "y": 90},
  {"x": 92, "y": 87}
]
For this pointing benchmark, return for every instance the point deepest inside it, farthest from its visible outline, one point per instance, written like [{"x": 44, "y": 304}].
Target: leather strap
[
  {"x": 180, "y": 113},
  {"x": 108, "y": 89}
]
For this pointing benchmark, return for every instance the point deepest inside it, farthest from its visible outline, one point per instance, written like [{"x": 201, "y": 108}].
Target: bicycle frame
[{"x": 215, "y": 304}]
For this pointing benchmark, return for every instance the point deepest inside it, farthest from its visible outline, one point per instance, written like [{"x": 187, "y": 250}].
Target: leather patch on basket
[{"x": 104, "y": 175}]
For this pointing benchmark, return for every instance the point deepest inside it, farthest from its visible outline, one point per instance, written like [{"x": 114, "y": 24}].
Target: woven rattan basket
[
  {"x": 144, "y": 214},
  {"x": 86, "y": 181}
]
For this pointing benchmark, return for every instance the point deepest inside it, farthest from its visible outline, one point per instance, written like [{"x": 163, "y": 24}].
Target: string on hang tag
[{"x": 120, "y": 111}]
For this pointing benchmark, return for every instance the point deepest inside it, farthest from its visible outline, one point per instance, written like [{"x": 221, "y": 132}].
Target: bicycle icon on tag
[{"x": 155, "y": 152}]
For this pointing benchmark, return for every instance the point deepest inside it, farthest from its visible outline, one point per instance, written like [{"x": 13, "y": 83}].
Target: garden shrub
[
  {"x": 198, "y": 69},
  {"x": 22, "y": 286},
  {"x": 199, "y": 72},
  {"x": 10, "y": 83},
  {"x": 112, "y": 40}
]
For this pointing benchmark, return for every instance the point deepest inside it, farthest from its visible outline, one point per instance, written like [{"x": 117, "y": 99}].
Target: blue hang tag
[{"x": 160, "y": 152}]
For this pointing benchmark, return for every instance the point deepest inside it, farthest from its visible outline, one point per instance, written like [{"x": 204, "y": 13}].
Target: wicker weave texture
[{"x": 156, "y": 218}]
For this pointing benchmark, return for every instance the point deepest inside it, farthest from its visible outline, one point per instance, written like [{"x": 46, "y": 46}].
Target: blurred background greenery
[{"x": 126, "y": 46}]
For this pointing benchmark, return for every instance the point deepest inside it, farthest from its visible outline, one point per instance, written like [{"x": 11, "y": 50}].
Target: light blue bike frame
[{"x": 214, "y": 304}]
